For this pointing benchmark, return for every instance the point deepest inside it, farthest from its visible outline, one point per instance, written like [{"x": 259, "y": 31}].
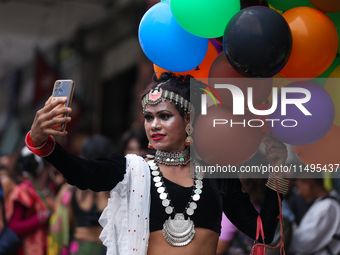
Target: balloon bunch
[
  {"x": 286, "y": 43},
  {"x": 314, "y": 26}
]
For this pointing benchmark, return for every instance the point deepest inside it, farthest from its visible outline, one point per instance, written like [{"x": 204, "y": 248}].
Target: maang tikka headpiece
[{"x": 155, "y": 96}]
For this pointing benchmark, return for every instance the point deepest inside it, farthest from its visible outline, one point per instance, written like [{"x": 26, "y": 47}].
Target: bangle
[
  {"x": 43, "y": 150},
  {"x": 282, "y": 184}
]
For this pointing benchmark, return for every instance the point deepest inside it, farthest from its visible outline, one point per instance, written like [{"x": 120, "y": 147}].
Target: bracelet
[
  {"x": 282, "y": 184},
  {"x": 43, "y": 150}
]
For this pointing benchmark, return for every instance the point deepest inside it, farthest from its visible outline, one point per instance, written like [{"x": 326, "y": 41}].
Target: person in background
[
  {"x": 296, "y": 203},
  {"x": 232, "y": 240},
  {"x": 78, "y": 210},
  {"x": 30, "y": 204},
  {"x": 319, "y": 230},
  {"x": 134, "y": 141},
  {"x": 10, "y": 177},
  {"x": 56, "y": 178}
]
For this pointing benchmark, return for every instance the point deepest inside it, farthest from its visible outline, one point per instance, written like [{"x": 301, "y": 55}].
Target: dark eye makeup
[
  {"x": 165, "y": 116},
  {"x": 148, "y": 117}
]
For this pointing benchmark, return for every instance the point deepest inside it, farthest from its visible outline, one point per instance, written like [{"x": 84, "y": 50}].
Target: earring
[
  {"x": 189, "y": 129},
  {"x": 150, "y": 146}
]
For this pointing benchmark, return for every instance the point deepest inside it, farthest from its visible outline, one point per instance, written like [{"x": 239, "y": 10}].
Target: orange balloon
[
  {"x": 326, "y": 5},
  {"x": 324, "y": 151},
  {"x": 315, "y": 43},
  {"x": 202, "y": 71}
]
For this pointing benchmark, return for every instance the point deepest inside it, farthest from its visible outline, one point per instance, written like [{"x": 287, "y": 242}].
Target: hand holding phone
[{"x": 62, "y": 89}]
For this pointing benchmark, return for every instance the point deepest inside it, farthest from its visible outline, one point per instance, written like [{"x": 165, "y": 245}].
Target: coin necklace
[{"x": 177, "y": 231}]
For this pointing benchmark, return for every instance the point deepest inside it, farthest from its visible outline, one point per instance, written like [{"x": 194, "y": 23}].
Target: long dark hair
[{"x": 29, "y": 162}]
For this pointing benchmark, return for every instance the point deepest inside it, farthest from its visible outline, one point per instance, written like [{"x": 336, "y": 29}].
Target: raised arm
[
  {"x": 47, "y": 117},
  {"x": 99, "y": 175},
  {"x": 240, "y": 210}
]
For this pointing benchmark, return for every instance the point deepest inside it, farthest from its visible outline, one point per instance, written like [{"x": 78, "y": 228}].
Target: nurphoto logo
[{"x": 239, "y": 106}]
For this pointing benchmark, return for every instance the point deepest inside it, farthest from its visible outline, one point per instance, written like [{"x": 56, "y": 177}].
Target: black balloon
[
  {"x": 247, "y": 3},
  {"x": 257, "y": 42}
]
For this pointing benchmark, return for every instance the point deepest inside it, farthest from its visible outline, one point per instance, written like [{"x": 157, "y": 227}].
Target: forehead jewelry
[{"x": 155, "y": 96}]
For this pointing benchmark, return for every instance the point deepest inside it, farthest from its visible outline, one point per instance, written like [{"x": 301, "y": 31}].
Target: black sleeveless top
[
  {"x": 207, "y": 215},
  {"x": 219, "y": 195},
  {"x": 86, "y": 218}
]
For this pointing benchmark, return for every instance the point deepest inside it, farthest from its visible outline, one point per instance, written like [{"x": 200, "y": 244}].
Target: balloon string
[
  {"x": 282, "y": 251},
  {"x": 280, "y": 217}
]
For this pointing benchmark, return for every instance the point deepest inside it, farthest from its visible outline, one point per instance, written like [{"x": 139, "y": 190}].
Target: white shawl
[{"x": 125, "y": 220}]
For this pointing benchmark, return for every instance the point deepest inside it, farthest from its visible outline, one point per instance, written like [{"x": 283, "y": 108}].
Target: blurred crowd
[
  {"x": 48, "y": 215},
  {"x": 311, "y": 218},
  {"x": 51, "y": 217}
]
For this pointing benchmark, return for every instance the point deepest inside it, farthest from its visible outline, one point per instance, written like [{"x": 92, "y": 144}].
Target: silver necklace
[
  {"x": 177, "y": 231},
  {"x": 173, "y": 158}
]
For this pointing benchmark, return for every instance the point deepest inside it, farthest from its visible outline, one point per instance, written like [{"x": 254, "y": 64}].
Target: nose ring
[{"x": 158, "y": 127}]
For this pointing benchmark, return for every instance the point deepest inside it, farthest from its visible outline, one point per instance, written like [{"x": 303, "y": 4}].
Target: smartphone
[{"x": 63, "y": 89}]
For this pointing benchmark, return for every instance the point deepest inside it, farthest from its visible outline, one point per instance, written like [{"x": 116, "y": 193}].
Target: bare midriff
[
  {"x": 204, "y": 243},
  {"x": 89, "y": 234}
]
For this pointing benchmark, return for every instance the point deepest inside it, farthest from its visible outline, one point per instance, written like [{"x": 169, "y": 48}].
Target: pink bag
[{"x": 259, "y": 248}]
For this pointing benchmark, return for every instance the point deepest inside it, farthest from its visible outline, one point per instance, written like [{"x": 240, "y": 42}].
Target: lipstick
[{"x": 157, "y": 136}]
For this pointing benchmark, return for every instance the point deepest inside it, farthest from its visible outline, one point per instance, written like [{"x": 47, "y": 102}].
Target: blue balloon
[
  {"x": 304, "y": 129},
  {"x": 166, "y": 43}
]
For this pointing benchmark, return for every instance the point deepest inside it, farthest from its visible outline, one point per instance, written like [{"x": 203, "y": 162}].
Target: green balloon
[
  {"x": 284, "y": 5},
  {"x": 335, "y": 17},
  {"x": 204, "y": 18}
]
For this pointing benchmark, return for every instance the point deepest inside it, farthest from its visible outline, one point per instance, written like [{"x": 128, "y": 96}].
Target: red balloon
[
  {"x": 221, "y": 68},
  {"x": 324, "y": 151},
  {"x": 226, "y": 143},
  {"x": 326, "y": 5}
]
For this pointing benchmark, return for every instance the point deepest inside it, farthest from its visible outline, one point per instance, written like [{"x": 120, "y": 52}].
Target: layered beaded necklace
[{"x": 178, "y": 231}]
